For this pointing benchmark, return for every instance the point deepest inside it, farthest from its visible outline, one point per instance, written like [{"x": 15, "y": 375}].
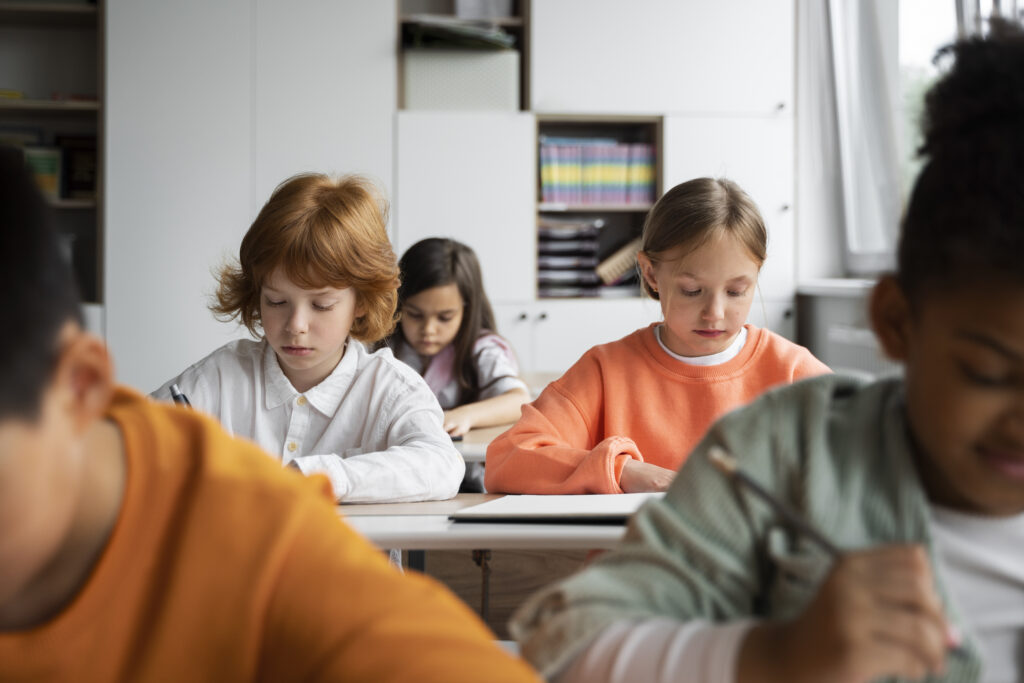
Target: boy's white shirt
[
  {"x": 982, "y": 561},
  {"x": 372, "y": 426}
]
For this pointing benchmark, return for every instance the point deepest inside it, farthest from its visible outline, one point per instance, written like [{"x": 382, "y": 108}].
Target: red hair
[{"x": 322, "y": 232}]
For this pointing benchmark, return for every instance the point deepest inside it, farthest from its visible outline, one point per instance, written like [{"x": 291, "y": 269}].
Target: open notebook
[{"x": 586, "y": 509}]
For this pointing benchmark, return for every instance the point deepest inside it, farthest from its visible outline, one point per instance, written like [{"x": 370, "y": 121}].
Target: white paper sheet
[{"x": 608, "y": 508}]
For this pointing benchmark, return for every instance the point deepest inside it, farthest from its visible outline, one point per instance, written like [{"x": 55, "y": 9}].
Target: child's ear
[
  {"x": 890, "y": 314},
  {"x": 647, "y": 270},
  {"x": 84, "y": 376}
]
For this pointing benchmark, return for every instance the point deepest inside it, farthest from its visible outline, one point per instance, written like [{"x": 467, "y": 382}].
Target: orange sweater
[
  {"x": 630, "y": 399},
  {"x": 224, "y": 567}
]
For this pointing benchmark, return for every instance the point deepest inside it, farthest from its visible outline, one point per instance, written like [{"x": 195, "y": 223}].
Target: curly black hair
[{"x": 965, "y": 217}]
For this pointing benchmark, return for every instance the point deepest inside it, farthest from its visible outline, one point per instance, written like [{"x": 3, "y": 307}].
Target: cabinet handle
[
  {"x": 784, "y": 208},
  {"x": 787, "y": 314},
  {"x": 780, "y": 106},
  {"x": 542, "y": 316},
  {"x": 521, "y": 316}
]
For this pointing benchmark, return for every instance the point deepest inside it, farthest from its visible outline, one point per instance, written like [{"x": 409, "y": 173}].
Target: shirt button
[
  {"x": 301, "y": 400},
  {"x": 292, "y": 446}
]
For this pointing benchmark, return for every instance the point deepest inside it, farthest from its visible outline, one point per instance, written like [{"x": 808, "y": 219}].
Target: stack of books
[
  {"x": 569, "y": 261},
  {"x": 595, "y": 171},
  {"x": 567, "y": 256}
]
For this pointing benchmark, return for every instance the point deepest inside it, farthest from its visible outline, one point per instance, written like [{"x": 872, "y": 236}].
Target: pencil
[
  {"x": 179, "y": 397},
  {"x": 728, "y": 466}
]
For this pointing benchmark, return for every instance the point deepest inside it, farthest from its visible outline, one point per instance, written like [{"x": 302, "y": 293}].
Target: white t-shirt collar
[{"x": 723, "y": 356}]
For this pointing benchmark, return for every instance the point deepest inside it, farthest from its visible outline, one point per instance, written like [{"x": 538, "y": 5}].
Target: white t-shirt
[
  {"x": 495, "y": 366},
  {"x": 372, "y": 426},
  {"x": 981, "y": 560}
]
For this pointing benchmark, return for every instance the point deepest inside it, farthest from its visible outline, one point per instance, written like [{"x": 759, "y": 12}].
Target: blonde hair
[
  {"x": 323, "y": 232},
  {"x": 691, "y": 213}
]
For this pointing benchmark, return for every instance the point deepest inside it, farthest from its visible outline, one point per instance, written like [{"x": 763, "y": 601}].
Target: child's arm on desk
[{"x": 497, "y": 410}]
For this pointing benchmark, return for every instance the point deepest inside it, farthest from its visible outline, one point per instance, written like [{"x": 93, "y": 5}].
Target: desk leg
[
  {"x": 417, "y": 559},
  {"x": 482, "y": 559}
]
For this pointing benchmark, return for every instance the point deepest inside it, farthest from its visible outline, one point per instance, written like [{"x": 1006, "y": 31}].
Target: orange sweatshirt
[
  {"x": 631, "y": 399},
  {"x": 222, "y": 566}
]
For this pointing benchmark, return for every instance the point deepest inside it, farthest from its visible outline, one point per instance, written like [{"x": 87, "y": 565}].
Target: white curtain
[{"x": 864, "y": 47}]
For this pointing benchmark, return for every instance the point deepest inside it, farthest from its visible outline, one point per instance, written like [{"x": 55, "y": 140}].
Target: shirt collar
[{"x": 326, "y": 396}]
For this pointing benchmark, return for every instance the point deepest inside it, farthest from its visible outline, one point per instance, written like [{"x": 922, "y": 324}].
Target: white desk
[
  {"x": 474, "y": 443},
  {"x": 425, "y": 526}
]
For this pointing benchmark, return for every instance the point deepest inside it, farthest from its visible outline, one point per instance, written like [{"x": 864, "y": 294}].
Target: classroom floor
[{"x": 514, "y": 576}]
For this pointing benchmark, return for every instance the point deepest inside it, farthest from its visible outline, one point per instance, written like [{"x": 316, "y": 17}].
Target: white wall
[{"x": 209, "y": 106}]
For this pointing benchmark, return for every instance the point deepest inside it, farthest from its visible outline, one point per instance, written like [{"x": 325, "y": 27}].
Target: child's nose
[
  {"x": 296, "y": 323},
  {"x": 714, "y": 309}
]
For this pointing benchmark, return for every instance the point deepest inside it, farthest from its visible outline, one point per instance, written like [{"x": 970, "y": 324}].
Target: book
[
  {"x": 610, "y": 508},
  {"x": 45, "y": 164},
  {"x": 79, "y": 158}
]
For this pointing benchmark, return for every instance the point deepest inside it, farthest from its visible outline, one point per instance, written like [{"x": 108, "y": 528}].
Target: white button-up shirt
[{"x": 372, "y": 426}]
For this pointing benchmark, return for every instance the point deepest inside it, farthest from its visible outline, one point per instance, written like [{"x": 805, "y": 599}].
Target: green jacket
[{"x": 835, "y": 448}]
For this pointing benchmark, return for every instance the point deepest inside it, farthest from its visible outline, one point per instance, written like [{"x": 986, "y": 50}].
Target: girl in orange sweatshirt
[{"x": 623, "y": 418}]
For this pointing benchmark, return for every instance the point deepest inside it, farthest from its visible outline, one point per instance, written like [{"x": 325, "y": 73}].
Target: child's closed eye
[
  {"x": 271, "y": 302},
  {"x": 984, "y": 378},
  {"x": 323, "y": 307}
]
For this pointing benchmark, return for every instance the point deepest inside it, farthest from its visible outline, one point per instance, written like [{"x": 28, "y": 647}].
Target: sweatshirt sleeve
[
  {"x": 556, "y": 447},
  {"x": 807, "y": 365},
  {"x": 417, "y": 463},
  {"x": 338, "y": 611}
]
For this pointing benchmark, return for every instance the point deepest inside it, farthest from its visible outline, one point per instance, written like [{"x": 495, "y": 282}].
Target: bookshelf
[
  {"x": 51, "y": 107},
  {"x": 597, "y": 178},
  {"x": 449, "y": 57}
]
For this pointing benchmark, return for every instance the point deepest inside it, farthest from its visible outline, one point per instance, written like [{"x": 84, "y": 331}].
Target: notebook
[{"x": 614, "y": 508}]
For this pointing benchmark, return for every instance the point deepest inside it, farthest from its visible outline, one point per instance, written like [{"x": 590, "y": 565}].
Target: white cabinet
[
  {"x": 324, "y": 90},
  {"x": 471, "y": 176},
  {"x": 208, "y": 107},
  {"x": 550, "y": 335},
  {"x": 661, "y": 56},
  {"x": 178, "y": 180},
  {"x": 755, "y": 152}
]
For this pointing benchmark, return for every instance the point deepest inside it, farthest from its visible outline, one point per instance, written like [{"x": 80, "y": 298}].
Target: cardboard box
[{"x": 461, "y": 79}]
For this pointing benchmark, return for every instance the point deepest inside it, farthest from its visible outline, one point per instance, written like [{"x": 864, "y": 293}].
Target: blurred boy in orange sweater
[{"x": 140, "y": 541}]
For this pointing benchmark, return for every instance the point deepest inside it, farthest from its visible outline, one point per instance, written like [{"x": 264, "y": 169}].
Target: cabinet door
[
  {"x": 208, "y": 107},
  {"x": 516, "y": 323},
  {"x": 178, "y": 177},
  {"x": 755, "y": 152},
  {"x": 549, "y": 336},
  {"x": 565, "y": 329},
  {"x": 472, "y": 176},
  {"x": 654, "y": 56},
  {"x": 324, "y": 90}
]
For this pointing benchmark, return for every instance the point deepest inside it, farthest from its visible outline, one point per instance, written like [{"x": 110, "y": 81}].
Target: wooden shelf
[
  {"x": 48, "y": 106},
  {"x": 593, "y": 208},
  {"x": 48, "y": 14},
  {"x": 73, "y": 204},
  {"x": 503, "y": 22}
]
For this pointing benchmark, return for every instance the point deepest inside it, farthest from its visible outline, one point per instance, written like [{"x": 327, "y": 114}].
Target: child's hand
[
  {"x": 458, "y": 421},
  {"x": 876, "y": 615},
  {"x": 638, "y": 477}
]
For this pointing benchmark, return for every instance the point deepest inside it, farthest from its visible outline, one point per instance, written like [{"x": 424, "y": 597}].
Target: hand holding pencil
[{"x": 877, "y": 613}]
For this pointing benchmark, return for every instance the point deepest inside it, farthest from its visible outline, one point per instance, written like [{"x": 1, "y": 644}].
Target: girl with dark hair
[{"x": 447, "y": 333}]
